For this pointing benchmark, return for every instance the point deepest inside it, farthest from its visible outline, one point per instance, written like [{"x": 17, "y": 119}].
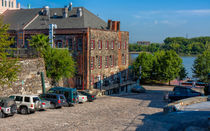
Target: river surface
[{"x": 187, "y": 61}]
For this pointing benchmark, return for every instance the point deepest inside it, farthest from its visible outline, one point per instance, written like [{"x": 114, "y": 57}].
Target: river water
[{"x": 187, "y": 61}]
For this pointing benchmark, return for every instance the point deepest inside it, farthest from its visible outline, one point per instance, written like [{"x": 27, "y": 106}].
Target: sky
[{"x": 145, "y": 20}]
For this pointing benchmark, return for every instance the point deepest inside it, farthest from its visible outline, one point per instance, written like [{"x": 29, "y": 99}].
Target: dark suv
[
  {"x": 181, "y": 92},
  {"x": 8, "y": 107},
  {"x": 56, "y": 100}
]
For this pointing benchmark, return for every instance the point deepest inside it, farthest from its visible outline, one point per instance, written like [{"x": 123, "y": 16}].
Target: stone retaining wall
[
  {"x": 177, "y": 105},
  {"x": 29, "y": 78}
]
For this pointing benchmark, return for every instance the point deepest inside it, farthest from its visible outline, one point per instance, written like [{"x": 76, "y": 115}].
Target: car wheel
[
  {"x": 13, "y": 109},
  {"x": 2, "y": 115},
  {"x": 24, "y": 110}
]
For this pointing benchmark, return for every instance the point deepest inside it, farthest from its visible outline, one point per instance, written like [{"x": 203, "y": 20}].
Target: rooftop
[{"x": 34, "y": 19}]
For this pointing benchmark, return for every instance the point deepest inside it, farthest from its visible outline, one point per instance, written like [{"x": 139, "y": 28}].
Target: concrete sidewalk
[{"x": 203, "y": 106}]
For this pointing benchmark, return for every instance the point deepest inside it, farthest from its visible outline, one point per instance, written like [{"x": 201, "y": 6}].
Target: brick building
[
  {"x": 100, "y": 48},
  {"x": 143, "y": 42},
  {"x": 8, "y": 5}
]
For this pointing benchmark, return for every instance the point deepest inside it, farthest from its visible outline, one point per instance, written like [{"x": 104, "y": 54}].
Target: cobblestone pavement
[{"x": 124, "y": 112}]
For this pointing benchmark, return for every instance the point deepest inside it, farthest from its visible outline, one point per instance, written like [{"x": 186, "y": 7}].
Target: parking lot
[{"x": 124, "y": 112}]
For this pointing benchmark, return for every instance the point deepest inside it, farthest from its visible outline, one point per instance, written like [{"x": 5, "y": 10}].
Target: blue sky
[{"x": 149, "y": 20}]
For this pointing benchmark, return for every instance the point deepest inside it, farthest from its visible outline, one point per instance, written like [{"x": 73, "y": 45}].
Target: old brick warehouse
[{"x": 100, "y": 48}]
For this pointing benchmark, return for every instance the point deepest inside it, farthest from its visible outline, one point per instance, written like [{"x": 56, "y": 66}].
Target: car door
[{"x": 18, "y": 100}]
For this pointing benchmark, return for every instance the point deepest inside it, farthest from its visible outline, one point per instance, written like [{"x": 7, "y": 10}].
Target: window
[
  {"x": 2, "y": 3},
  {"x": 59, "y": 44},
  {"x": 27, "y": 99},
  {"x": 99, "y": 44},
  {"x": 119, "y": 45},
  {"x": 5, "y": 3},
  {"x": 19, "y": 98},
  {"x": 107, "y": 61},
  {"x": 9, "y": 3},
  {"x": 12, "y": 4},
  {"x": 111, "y": 58},
  {"x": 70, "y": 43},
  {"x": 125, "y": 45},
  {"x": 107, "y": 45},
  {"x": 66, "y": 94},
  {"x": 92, "y": 63},
  {"x": 92, "y": 44},
  {"x": 79, "y": 44},
  {"x": 112, "y": 45},
  {"x": 123, "y": 59},
  {"x": 92, "y": 80},
  {"x": 99, "y": 62},
  {"x": 35, "y": 99},
  {"x": 61, "y": 97}
]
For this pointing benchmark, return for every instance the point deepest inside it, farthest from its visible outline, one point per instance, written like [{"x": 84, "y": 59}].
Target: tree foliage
[
  {"x": 180, "y": 45},
  {"x": 8, "y": 66},
  {"x": 58, "y": 62},
  {"x": 201, "y": 66},
  {"x": 162, "y": 66},
  {"x": 145, "y": 60}
]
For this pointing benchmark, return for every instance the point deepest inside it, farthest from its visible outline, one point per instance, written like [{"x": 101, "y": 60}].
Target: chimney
[
  {"x": 46, "y": 11},
  {"x": 18, "y": 5},
  {"x": 79, "y": 12},
  {"x": 109, "y": 24},
  {"x": 70, "y": 6},
  {"x": 65, "y": 12},
  {"x": 118, "y": 25}
]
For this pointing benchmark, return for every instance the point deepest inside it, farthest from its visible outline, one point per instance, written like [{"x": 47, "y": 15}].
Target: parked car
[
  {"x": 26, "y": 103},
  {"x": 8, "y": 107},
  {"x": 181, "y": 92},
  {"x": 138, "y": 89},
  {"x": 70, "y": 94},
  {"x": 56, "y": 100},
  {"x": 90, "y": 97},
  {"x": 43, "y": 104},
  {"x": 82, "y": 98}
]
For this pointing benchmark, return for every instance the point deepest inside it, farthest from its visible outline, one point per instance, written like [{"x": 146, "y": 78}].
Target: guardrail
[{"x": 23, "y": 53}]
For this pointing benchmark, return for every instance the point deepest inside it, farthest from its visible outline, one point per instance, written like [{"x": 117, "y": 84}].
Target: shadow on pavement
[
  {"x": 177, "y": 121},
  {"x": 155, "y": 98}
]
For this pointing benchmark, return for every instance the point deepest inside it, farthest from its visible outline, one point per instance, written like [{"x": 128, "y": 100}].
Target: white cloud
[{"x": 194, "y": 12}]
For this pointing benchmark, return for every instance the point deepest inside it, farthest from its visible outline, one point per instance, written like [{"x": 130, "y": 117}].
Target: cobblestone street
[{"x": 124, "y": 112}]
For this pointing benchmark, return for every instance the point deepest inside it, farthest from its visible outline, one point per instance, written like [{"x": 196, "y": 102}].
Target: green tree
[
  {"x": 8, "y": 66},
  {"x": 167, "y": 65},
  {"x": 201, "y": 66},
  {"x": 40, "y": 42},
  {"x": 58, "y": 62},
  {"x": 145, "y": 60},
  {"x": 182, "y": 73}
]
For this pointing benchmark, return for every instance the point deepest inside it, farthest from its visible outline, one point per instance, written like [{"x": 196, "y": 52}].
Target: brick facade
[{"x": 8, "y": 4}]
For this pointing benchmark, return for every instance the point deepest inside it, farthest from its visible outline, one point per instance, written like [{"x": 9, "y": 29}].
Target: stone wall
[{"x": 29, "y": 78}]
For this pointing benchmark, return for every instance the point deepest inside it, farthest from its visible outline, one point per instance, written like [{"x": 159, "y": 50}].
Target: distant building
[
  {"x": 143, "y": 42},
  {"x": 99, "y": 48},
  {"x": 8, "y": 5}
]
